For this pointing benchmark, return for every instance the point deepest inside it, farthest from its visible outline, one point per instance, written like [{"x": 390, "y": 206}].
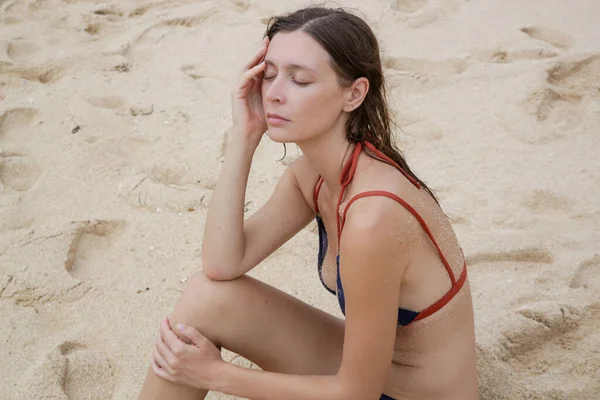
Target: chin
[{"x": 279, "y": 135}]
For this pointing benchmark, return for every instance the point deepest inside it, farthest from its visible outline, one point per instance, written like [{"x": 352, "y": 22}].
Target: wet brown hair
[{"x": 354, "y": 53}]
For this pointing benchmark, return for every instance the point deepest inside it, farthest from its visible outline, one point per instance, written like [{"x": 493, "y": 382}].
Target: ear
[{"x": 355, "y": 94}]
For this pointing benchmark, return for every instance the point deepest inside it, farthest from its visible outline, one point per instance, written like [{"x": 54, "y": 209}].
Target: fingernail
[
  {"x": 265, "y": 39},
  {"x": 181, "y": 327}
]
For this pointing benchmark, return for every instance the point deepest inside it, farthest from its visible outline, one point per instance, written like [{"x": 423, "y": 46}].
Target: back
[{"x": 443, "y": 344}]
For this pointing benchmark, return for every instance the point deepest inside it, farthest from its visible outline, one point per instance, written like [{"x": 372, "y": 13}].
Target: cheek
[{"x": 324, "y": 106}]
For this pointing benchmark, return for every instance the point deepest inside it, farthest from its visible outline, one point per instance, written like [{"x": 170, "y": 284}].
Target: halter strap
[
  {"x": 345, "y": 179},
  {"x": 348, "y": 174}
]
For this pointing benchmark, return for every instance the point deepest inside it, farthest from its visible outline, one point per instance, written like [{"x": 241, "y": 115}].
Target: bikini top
[{"x": 405, "y": 317}]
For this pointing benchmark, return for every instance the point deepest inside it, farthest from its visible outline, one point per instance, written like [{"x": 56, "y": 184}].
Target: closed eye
[
  {"x": 302, "y": 83},
  {"x": 299, "y": 83}
]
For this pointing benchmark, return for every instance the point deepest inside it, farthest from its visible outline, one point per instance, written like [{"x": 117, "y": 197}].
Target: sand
[{"x": 112, "y": 117}]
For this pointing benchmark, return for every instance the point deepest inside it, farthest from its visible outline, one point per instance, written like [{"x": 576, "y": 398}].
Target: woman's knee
[{"x": 202, "y": 300}]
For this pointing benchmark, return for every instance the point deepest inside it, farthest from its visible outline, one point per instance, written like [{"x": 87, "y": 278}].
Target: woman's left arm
[{"x": 373, "y": 261}]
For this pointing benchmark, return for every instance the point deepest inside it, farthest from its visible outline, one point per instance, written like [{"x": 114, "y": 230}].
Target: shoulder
[
  {"x": 305, "y": 176},
  {"x": 379, "y": 224}
]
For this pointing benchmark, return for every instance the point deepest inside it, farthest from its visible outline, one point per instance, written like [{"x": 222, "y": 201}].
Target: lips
[
  {"x": 276, "y": 120},
  {"x": 276, "y": 116}
]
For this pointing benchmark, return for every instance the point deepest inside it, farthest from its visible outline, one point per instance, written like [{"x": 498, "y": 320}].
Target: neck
[{"x": 327, "y": 154}]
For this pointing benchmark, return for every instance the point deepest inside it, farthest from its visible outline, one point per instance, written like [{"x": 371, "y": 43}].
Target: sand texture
[{"x": 112, "y": 120}]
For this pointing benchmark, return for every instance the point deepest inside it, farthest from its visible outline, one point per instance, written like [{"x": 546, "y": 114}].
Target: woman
[{"x": 386, "y": 248}]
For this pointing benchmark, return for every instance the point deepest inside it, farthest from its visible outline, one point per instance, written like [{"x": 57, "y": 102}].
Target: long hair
[{"x": 354, "y": 53}]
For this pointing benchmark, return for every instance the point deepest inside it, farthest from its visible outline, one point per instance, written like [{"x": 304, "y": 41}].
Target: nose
[{"x": 273, "y": 91}]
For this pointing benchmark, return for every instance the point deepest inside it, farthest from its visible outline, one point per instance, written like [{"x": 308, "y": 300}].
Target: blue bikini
[{"x": 405, "y": 317}]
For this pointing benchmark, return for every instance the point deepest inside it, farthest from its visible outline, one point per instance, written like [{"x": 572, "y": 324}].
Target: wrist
[
  {"x": 240, "y": 143},
  {"x": 219, "y": 378}
]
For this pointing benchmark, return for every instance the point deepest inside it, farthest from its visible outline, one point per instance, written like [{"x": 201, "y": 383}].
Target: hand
[
  {"x": 248, "y": 114},
  {"x": 189, "y": 361}
]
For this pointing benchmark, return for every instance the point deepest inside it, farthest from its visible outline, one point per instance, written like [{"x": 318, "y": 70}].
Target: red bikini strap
[
  {"x": 445, "y": 298},
  {"x": 316, "y": 191},
  {"x": 350, "y": 166},
  {"x": 345, "y": 179},
  {"x": 413, "y": 212}
]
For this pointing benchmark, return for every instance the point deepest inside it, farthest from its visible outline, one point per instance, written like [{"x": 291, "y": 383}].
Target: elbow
[
  {"x": 214, "y": 275},
  {"x": 216, "y": 272}
]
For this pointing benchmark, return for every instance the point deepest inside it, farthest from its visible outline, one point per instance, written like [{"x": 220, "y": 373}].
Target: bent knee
[{"x": 203, "y": 297}]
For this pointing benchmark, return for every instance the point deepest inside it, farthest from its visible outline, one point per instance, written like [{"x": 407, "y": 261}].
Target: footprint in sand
[
  {"x": 19, "y": 49},
  {"x": 205, "y": 79},
  {"x": 45, "y": 73},
  {"x": 89, "y": 253},
  {"x": 549, "y": 35},
  {"x": 111, "y": 14},
  {"x": 528, "y": 255},
  {"x": 555, "y": 347},
  {"x": 18, "y": 172},
  {"x": 13, "y": 121},
  {"x": 109, "y": 102},
  {"x": 426, "y": 67},
  {"x": 571, "y": 86},
  {"x": 540, "y": 201},
  {"x": 408, "y": 6},
  {"x": 94, "y": 28},
  {"x": 164, "y": 189},
  {"x": 420, "y": 13},
  {"x": 70, "y": 371},
  {"x": 39, "y": 259},
  {"x": 121, "y": 106},
  {"x": 587, "y": 275},
  {"x": 141, "y": 10},
  {"x": 508, "y": 56},
  {"x": 580, "y": 75},
  {"x": 560, "y": 104},
  {"x": 16, "y": 7},
  {"x": 145, "y": 41},
  {"x": 197, "y": 71},
  {"x": 100, "y": 20},
  {"x": 422, "y": 130},
  {"x": 185, "y": 22},
  {"x": 541, "y": 323}
]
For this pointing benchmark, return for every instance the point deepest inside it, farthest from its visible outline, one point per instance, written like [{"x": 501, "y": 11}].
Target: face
[{"x": 300, "y": 86}]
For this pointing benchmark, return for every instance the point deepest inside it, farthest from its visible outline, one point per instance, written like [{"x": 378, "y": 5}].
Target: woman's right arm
[{"x": 231, "y": 247}]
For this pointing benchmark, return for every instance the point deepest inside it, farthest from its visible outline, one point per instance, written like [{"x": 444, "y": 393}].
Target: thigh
[{"x": 276, "y": 331}]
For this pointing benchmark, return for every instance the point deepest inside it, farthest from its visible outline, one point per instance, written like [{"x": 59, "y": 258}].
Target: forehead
[{"x": 297, "y": 48}]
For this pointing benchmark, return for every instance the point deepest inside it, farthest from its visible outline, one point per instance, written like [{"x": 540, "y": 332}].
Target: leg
[{"x": 274, "y": 330}]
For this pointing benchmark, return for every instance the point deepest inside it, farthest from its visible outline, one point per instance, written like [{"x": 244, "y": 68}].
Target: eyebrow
[{"x": 293, "y": 66}]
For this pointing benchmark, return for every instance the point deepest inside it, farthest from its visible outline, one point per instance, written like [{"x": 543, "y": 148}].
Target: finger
[
  {"x": 257, "y": 57},
  {"x": 161, "y": 373},
  {"x": 163, "y": 349},
  {"x": 158, "y": 358},
  {"x": 165, "y": 352},
  {"x": 170, "y": 339},
  {"x": 254, "y": 72},
  {"x": 191, "y": 334}
]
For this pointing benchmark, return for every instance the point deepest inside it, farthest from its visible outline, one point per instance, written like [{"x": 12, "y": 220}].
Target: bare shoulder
[
  {"x": 306, "y": 177},
  {"x": 382, "y": 221}
]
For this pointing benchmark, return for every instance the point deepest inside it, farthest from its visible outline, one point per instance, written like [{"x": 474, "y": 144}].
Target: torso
[{"x": 441, "y": 345}]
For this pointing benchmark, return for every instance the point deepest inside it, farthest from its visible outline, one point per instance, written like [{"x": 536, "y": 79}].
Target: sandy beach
[{"x": 112, "y": 121}]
